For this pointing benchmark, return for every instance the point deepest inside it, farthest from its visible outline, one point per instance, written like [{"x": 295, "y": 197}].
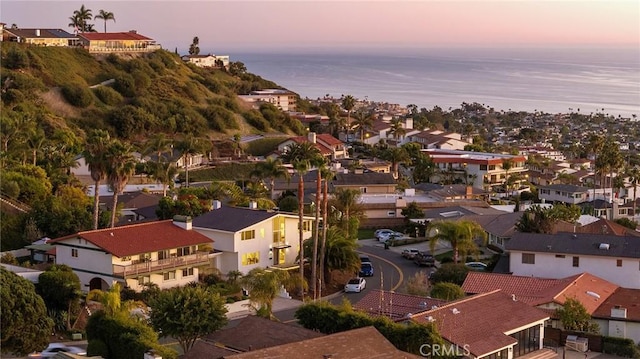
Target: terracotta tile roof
[
  {"x": 271, "y": 334},
  {"x": 140, "y": 238},
  {"x": 328, "y": 139},
  {"x": 605, "y": 226},
  {"x": 302, "y": 139},
  {"x": 537, "y": 291},
  {"x": 98, "y": 36},
  {"x": 480, "y": 322},
  {"x": 394, "y": 305},
  {"x": 362, "y": 343},
  {"x": 626, "y": 298}
]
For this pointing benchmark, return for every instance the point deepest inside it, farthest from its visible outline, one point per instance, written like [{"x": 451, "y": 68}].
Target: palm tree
[
  {"x": 105, "y": 16},
  {"x": 595, "y": 144},
  {"x": 300, "y": 156},
  {"x": 348, "y": 103},
  {"x": 395, "y": 155},
  {"x": 507, "y": 164},
  {"x": 460, "y": 234},
  {"x": 363, "y": 121},
  {"x": 327, "y": 174},
  {"x": 634, "y": 177},
  {"x": 80, "y": 18},
  {"x": 610, "y": 160},
  {"x": 158, "y": 144},
  {"x": 346, "y": 200},
  {"x": 163, "y": 172},
  {"x": 340, "y": 253},
  {"x": 95, "y": 156},
  {"x": 120, "y": 167},
  {"x": 319, "y": 162},
  {"x": 271, "y": 169},
  {"x": 397, "y": 129},
  {"x": 190, "y": 146},
  {"x": 263, "y": 286}
]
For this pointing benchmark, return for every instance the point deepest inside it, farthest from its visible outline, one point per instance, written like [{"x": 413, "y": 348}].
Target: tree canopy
[
  {"x": 25, "y": 324},
  {"x": 574, "y": 316}
]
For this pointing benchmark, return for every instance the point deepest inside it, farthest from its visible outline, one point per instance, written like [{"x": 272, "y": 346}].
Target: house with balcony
[
  {"x": 40, "y": 37},
  {"x": 283, "y": 99},
  {"x": 565, "y": 193},
  {"x": 167, "y": 253},
  {"x": 478, "y": 169},
  {"x": 439, "y": 140},
  {"x": 478, "y": 327},
  {"x": 119, "y": 42},
  {"x": 613, "y": 258},
  {"x": 251, "y": 238}
]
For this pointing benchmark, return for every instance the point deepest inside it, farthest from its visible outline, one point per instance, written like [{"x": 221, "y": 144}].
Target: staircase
[
  {"x": 14, "y": 204},
  {"x": 283, "y": 293}
]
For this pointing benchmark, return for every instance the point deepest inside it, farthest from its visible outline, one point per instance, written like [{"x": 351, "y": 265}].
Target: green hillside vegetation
[{"x": 52, "y": 97}]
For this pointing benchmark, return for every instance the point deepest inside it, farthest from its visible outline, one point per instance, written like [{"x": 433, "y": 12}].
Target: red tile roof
[
  {"x": 480, "y": 321},
  {"x": 394, "y": 305},
  {"x": 302, "y": 139},
  {"x": 328, "y": 139},
  {"x": 98, "y": 36},
  {"x": 140, "y": 238},
  {"x": 623, "y": 298},
  {"x": 590, "y": 290}
]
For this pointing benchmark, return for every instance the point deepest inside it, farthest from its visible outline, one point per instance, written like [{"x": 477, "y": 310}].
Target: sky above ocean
[{"x": 230, "y": 26}]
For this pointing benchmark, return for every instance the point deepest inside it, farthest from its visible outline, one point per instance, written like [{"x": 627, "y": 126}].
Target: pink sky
[{"x": 224, "y": 26}]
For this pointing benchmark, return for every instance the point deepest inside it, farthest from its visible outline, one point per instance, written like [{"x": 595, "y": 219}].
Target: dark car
[
  {"x": 366, "y": 269},
  {"x": 424, "y": 259},
  {"x": 364, "y": 259}
]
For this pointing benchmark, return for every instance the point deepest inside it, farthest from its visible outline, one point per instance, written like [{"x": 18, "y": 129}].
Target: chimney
[
  {"x": 38, "y": 32},
  {"x": 618, "y": 312},
  {"x": 312, "y": 137},
  {"x": 216, "y": 204},
  {"x": 468, "y": 192},
  {"x": 183, "y": 222},
  {"x": 253, "y": 204}
]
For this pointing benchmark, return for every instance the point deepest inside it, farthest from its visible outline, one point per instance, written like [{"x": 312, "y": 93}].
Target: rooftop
[
  {"x": 576, "y": 243},
  {"x": 394, "y": 305}
]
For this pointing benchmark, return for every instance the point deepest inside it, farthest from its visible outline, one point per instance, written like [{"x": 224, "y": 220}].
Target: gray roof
[
  {"x": 576, "y": 243},
  {"x": 503, "y": 225},
  {"x": 566, "y": 188},
  {"x": 368, "y": 178},
  {"x": 231, "y": 219},
  {"x": 457, "y": 212},
  {"x": 44, "y": 33}
]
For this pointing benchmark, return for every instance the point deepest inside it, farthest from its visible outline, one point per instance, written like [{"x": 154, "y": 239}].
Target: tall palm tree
[
  {"x": 327, "y": 174},
  {"x": 363, "y": 121},
  {"x": 190, "y": 146},
  {"x": 80, "y": 18},
  {"x": 95, "y": 153},
  {"x": 271, "y": 169},
  {"x": 163, "y": 172},
  {"x": 346, "y": 200},
  {"x": 460, "y": 234},
  {"x": 348, "y": 103},
  {"x": 395, "y": 155},
  {"x": 610, "y": 160},
  {"x": 158, "y": 144},
  {"x": 595, "y": 144},
  {"x": 507, "y": 165},
  {"x": 105, "y": 16},
  {"x": 634, "y": 177},
  {"x": 340, "y": 253},
  {"x": 120, "y": 167},
  {"x": 319, "y": 162},
  {"x": 300, "y": 156}
]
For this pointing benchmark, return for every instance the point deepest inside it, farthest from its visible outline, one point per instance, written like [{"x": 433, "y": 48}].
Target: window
[
  {"x": 278, "y": 229},
  {"x": 619, "y": 263},
  {"x": 187, "y": 272},
  {"x": 250, "y": 258},
  {"x": 306, "y": 226},
  {"x": 185, "y": 251},
  {"x": 483, "y": 167},
  {"x": 576, "y": 261},
  {"x": 163, "y": 255},
  {"x": 246, "y": 235},
  {"x": 143, "y": 280},
  {"x": 169, "y": 275},
  {"x": 560, "y": 255},
  {"x": 391, "y": 214},
  {"x": 492, "y": 167},
  {"x": 529, "y": 258},
  {"x": 125, "y": 259},
  {"x": 363, "y": 189},
  {"x": 74, "y": 252}
]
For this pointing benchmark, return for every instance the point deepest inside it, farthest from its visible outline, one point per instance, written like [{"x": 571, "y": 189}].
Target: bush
[
  {"x": 97, "y": 347},
  {"x": 621, "y": 347},
  {"x": 451, "y": 273},
  {"x": 107, "y": 95},
  {"x": 125, "y": 85},
  {"x": 255, "y": 119},
  {"x": 77, "y": 95},
  {"x": 16, "y": 58}
]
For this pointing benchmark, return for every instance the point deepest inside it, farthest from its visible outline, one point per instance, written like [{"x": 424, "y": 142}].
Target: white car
[
  {"x": 380, "y": 232},
  {"x": 355, "y": 285},
  {"x": 479, "y": 266},
  {"x": 55, "y": 348},
  {"x": 384, "y": 237}
]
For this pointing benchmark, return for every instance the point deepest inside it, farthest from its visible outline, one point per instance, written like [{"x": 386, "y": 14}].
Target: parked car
[
  {"x": 410, "y": 253},
  {"x": 366, "y": 269},
  {"x": 385, "y": 237},
  {"x": 355, "y": 285},
  {"x": 424, "y": 259},
  {"x": 380, "y": 232},
  {"x": 364, "y": 259},
  {"x": 55, "y": 348},
  {"x": 479, "y": 266}
]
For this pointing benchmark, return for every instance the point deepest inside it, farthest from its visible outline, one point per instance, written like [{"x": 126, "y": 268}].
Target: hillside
[{"x": 60, "y": 88}]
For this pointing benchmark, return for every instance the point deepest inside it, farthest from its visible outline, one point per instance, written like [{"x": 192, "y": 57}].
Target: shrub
[
  {"x": 621, "y": 347},
  {"x": 450, "y": 272},
  {"x": 77, "y": 95},
  {"x": 97, "y": 347},
  {"x": 16, "y": 58},
  {"x": 13, "y": 96},
  {"x": 255, "y": 119},
  {"x": 107, "y": 95},
  {"x": 126, "y": 85}
]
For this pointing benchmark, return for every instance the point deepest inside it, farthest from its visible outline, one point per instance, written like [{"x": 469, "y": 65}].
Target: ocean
[{"x": 548, "y": 80}]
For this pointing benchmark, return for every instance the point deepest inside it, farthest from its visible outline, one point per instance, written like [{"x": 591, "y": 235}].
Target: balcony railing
[{"x": 133, "y": 270}]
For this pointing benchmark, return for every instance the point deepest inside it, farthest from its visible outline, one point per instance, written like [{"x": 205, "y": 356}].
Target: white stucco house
[
  {"x": 613, "y": 258},
  {"x": 167, "y": 253},
  {"x": 252, "y": 238}
]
